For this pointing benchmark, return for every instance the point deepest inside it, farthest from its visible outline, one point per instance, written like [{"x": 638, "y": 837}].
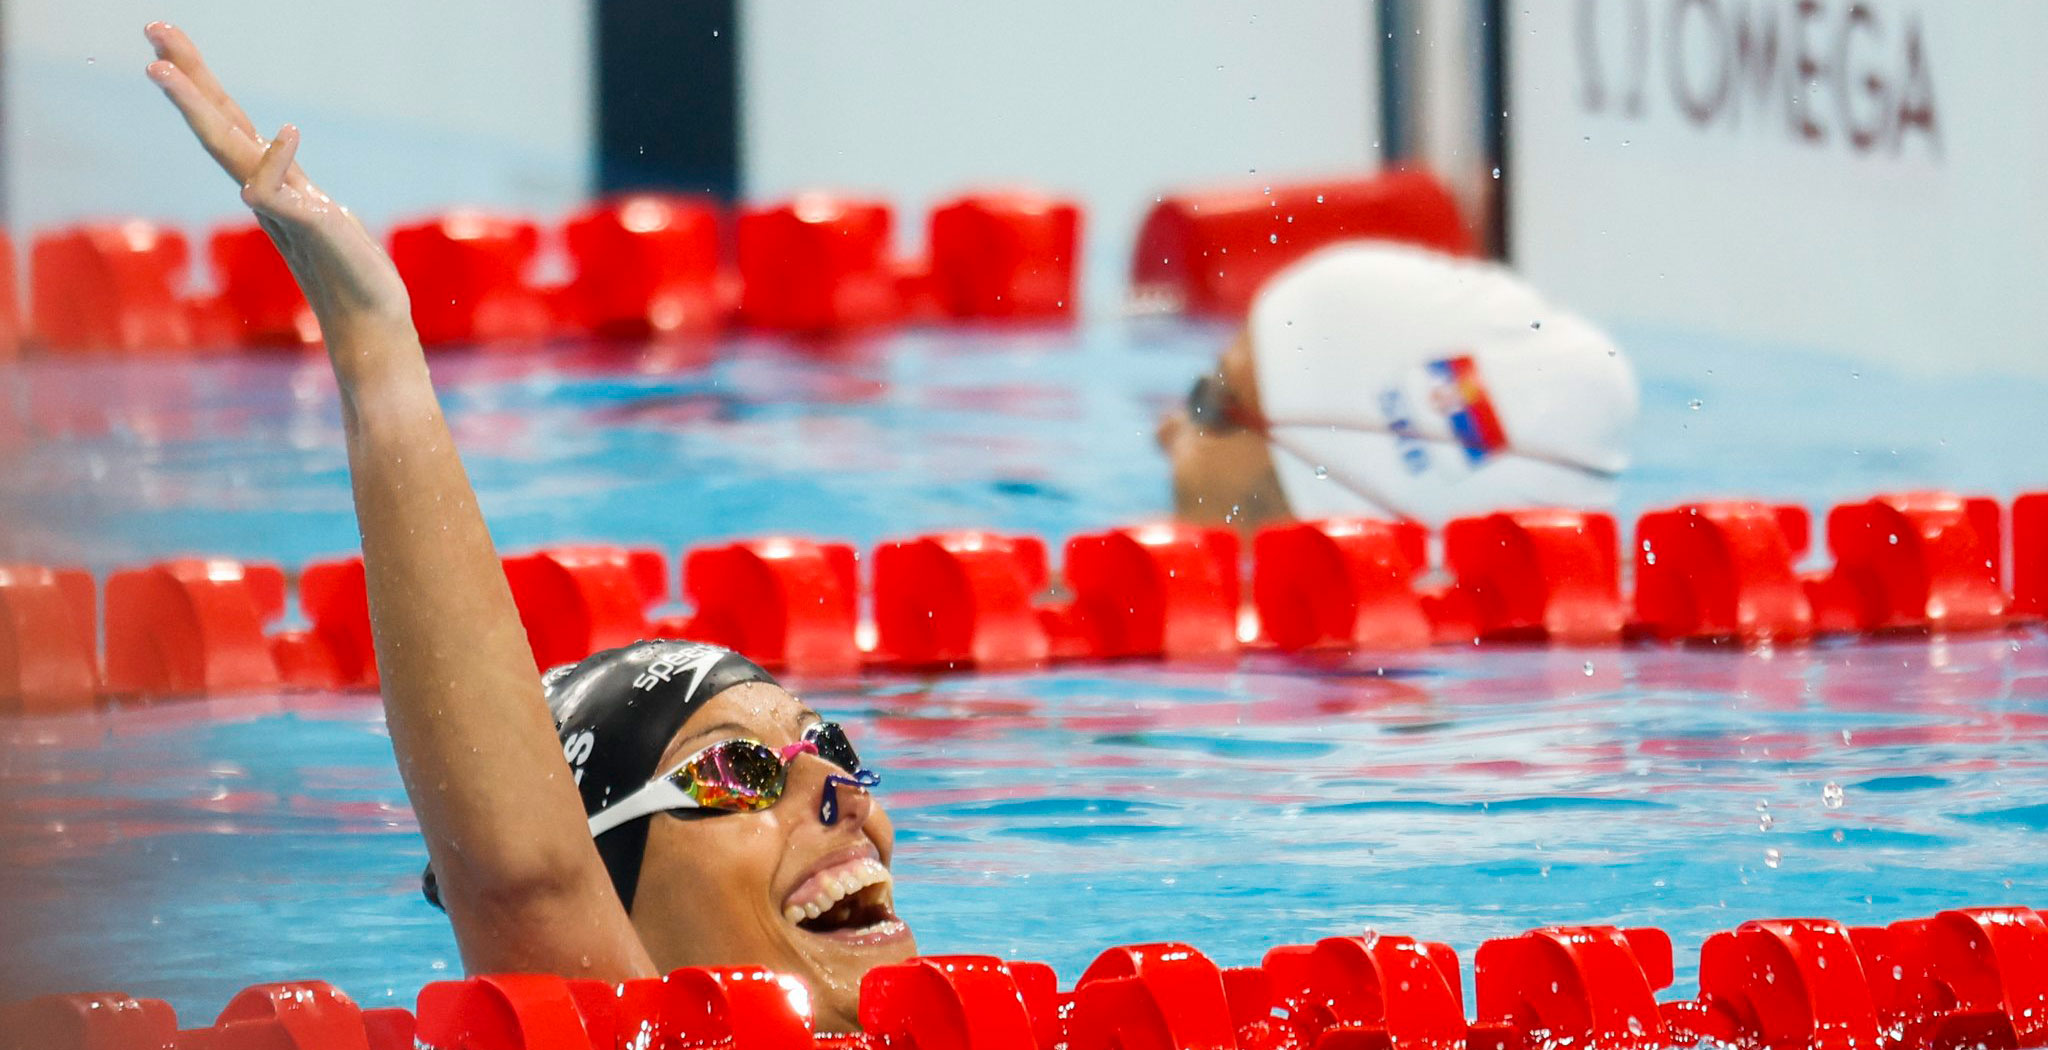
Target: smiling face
[{"x": 778, "y": 888}]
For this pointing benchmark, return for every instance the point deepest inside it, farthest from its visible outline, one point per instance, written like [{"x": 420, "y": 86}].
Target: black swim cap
[{"x": 616, "y": 712}]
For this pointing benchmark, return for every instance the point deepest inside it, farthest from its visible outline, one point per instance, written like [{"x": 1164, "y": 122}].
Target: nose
[
  {"x": 832, "y": 793},
  {"x": 1168, "y": 432}
]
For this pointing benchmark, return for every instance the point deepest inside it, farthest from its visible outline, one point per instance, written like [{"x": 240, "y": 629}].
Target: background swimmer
[
  {"x": 506, "y": 826},
  {"x": 1379, "y": 380}
]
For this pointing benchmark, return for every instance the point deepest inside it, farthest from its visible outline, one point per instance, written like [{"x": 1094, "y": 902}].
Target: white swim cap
[{"x": 1397, "y": 382}]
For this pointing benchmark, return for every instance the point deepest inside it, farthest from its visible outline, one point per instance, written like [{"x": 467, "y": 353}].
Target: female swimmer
[{"x": 704, "y": 815}]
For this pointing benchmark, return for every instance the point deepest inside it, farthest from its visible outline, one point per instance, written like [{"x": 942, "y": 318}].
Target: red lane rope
[
  {"x": 1718, "y": 571},
  {"x": 1965, "y": 978}
]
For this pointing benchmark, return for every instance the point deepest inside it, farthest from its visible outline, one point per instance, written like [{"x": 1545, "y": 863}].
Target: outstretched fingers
[
  {"x": 173, "y": 46},
  {"x": 236, "y": 151},
  {"x": 177, "y": 50}
]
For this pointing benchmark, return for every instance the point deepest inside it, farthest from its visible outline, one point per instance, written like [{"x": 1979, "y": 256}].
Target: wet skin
[
  {"x": 720, "y": 889},
  {"x": 1223, "y": 475}
]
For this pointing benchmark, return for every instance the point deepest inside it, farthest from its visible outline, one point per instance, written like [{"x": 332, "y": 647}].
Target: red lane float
[
  {"x": 1154, "y": 590},
  {"x": 1964, "y": 977},
  {"x": 1578, "y": 985},
  {"x": 1406, "y": 992},
  {"x": 110, "y": 286},
  {"x": 1005, "y": 256},
  {"x": 575, "y": 601},
  {"x": 258, "y": 296},
  {"x": 949, "y": 1002},
  {"x": 2030, "y": 554},
  {"x": 467, "y": 272},
  {"x": 1341, "y": 584},
  {"x": 192, "y": 626},
  {"x": 48, "y": 632},
  {"x": 784, "y": 602},
  {"x": 1151, "y": 995},
  {"x": 89, "y": 1021},
  {"x": 1785, "y": 984},
  {"x": 335, "y": 598},
  {"x": 646, "y": 265},
  {"x": 1552, "y": 575},
  {"x": 1915, "y": 561},
  {"x": 510, "y": 1012},
  {"x": 1207, "y": 252},
  {"x": 10, "y": 302},
  {"x": 308, "y": 1015},
  {"x": 818, "y": 264},
  {"x": 1722, "y": 570},
  {"x": 960, "y": 600}
]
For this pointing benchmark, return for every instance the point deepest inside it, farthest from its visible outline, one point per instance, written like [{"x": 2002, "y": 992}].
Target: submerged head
[
  {"x": 735, "y": 822},
  {"x": 1385, "y": 381}
]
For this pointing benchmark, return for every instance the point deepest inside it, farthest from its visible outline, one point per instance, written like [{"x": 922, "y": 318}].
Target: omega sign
[{"x": 1852, "y": 76}]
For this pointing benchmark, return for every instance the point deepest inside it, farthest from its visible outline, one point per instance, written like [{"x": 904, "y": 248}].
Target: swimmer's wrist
[{"x": 367, "y": 359}]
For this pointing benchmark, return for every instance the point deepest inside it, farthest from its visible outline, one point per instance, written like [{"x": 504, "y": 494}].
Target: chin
[{"x": 841, "y": 920}]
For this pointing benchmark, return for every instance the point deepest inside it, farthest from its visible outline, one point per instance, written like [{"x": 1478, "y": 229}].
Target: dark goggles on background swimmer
[
  {"x": 741, "y": 776},
  {"x": 1213, "y": 409}
]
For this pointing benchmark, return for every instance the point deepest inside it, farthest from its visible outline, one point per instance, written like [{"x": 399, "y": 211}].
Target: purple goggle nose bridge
[{"x": 828, "y": 809}]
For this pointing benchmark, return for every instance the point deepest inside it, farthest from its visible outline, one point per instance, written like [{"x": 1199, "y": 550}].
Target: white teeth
[{"x": 835, "y": 888}]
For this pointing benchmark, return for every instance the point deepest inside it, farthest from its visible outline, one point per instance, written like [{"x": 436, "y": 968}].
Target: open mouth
[{"x": 853, "y": 901}]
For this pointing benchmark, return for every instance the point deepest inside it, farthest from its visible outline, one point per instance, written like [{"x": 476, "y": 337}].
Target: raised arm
[{"x": 504, "y": 825}]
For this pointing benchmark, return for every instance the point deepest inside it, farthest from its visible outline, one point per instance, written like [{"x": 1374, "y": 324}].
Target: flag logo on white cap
[{"x": 1457, "y": 391}]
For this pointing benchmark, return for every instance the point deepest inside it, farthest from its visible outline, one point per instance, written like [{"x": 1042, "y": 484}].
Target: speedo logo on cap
[
  {"x": 696, "y": 661},
  {"x": 1457, "y": 391},
  {"x": 577, "y": 749}
]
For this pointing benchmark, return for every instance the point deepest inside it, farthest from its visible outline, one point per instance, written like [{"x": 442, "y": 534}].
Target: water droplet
[
  {"x": 1535, "y": 324},
  {"x": 1319, "y": 198},
  {"x": 1695, "y": 404},
  {"x": 1831, "y": 795},
  {"x": 1772, "y": 857},
  {"x": 1322, "y": 472},
  {"x": 1589, "y": 668},
  {"x": 1272, "y": 238},
  {"x": 1496, "y": 173}
]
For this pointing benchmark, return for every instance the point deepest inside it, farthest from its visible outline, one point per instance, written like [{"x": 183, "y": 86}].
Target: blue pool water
[{"x": 186, "y": 850}]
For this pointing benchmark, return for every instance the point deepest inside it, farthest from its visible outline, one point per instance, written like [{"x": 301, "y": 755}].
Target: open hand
[{"x": 351, "y": 284}]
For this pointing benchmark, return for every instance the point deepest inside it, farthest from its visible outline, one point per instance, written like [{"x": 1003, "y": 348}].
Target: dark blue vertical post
[
  {"x": 1495, "y": 123},
  {"x": 668, "y": 108},
  {"x": 1390, "y": 25}
]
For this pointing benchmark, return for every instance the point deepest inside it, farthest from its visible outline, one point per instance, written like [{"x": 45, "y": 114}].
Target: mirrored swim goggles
[
  {"x": 1215, "y": 409},
  {"x": 740, "y": 775}
]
